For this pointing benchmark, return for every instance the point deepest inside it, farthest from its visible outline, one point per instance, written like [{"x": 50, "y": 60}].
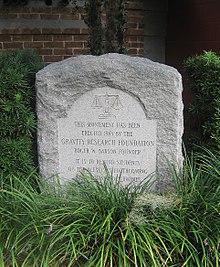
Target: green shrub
[
  {"x": 203, "y": 117},
  {"x": 17, "y": 117},
  {"x": 94, "y": 224}
]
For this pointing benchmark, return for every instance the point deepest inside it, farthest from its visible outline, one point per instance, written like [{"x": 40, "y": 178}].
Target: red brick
[
  {"x": 71, "y": 30},
  {"x": 135, "y": 5},
  {"x": 135, "y": 38},
  {"x": 135, "y": 13},
  {"x": 51, "y": 30},
  {"x": 29, "y": 16},
  {"x": 62, "y": 37},
  {"x": 8, "y": 16},
  {"x": 61, "y": 10},
  {"x": 16, "y": 38},
  {"x": 63, "y": 51},
  {"x": 45, "y": 51},
  {"x": 41, "y": 10},
  {"x": 67, "y": 56},
  {"x": 74, "y": 44},
  {"x": 5, "y": 38},
  {"x": 135, "y": 19},
  {"x": 42, "y": 37},
  {"x": 130, "y": 25},
  {"x": 132, "y": 51},
  {"x": 81, "y": 37},
  {"x": 78, "y": 51},
  {"x": 131, "y": 38},
  {"x": 4, "y": 10},
  {"x": 33, "y": 44},
  {"x": 13, "y": 45},
  {"x": 134, "y": 32},
  {"x": 20, "y": 9},
  {"x": 10, "y": 31},
  {"x": 53, "y": 44},
  {"x": 49, "y": 16},
  {"x": 75, "y": 16},
  {"x": 30, "y": 31},
  {"x": 135, "y": 45},
  {"x": 52, "y": 58},
  {"x": 140, "y": 51},
  {"x": 84, "y": 31}
]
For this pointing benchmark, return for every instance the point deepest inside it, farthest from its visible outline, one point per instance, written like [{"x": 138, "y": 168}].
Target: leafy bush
[
  {"x": 17, "y": 117},
  {"x": 203, "y": 117},
  {"x": 94, "y": 223}
]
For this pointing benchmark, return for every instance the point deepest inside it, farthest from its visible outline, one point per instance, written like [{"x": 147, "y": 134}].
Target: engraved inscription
[{"x": 112, "y": 130}]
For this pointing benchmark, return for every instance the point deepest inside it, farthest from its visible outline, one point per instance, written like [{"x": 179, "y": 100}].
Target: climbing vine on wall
[
  {"x": 106, "y": 20},
  {"x": 93, "y": 9},
  {"x": 115, "y": 26}
]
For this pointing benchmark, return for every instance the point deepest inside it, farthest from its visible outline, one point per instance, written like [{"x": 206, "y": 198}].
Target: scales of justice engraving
[{"x": 108, "y": 103}]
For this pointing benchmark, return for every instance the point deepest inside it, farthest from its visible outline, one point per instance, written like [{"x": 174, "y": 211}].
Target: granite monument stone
[{"x": 122, "y": 111}]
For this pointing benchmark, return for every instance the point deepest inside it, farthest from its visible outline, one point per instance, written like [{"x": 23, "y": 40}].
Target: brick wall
[
  {"x": 135, "y": 28},
  {"x": 58, "y": 32}
]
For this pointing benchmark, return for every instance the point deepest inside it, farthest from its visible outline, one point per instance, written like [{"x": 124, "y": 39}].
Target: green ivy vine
[{"x": 106, "y": 36}]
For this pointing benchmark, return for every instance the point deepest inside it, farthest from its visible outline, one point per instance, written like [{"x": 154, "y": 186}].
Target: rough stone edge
[{"x": 162, "y": 171}]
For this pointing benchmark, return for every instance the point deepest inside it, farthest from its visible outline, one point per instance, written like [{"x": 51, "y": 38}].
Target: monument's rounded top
[{"x": 108, "y": 64}]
